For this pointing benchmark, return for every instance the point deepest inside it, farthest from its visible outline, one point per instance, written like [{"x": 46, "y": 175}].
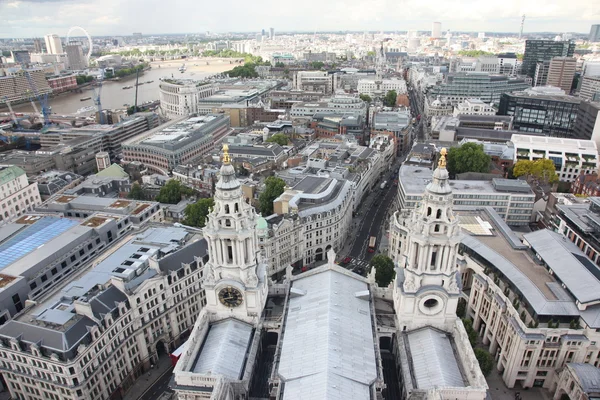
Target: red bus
[
  {"x": 372, "y": 242},
  {"x": 177, "y": 353}
]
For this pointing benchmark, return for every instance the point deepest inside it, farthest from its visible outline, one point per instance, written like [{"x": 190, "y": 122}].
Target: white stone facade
[
  {"x": 17, "y": 195},
  {"x": 374, "y": 87},
  {"x": 180, "y": 97},
  {"x": 473, "y": 107}
]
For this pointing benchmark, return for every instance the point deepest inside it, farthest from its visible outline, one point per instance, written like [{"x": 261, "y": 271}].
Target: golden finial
[
  {"x": 442, "y": 162},
  {"x": 226, "y": 159}
]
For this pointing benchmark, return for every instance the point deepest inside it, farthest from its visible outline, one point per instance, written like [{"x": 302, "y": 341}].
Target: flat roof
[
  {"x": 328, "y": 349},
  {"x": 553, "y": 143},
  {"x": 567, "y": 262},
  {"x": 33, "y": 237},
  {"x": 224, "y": 349}
]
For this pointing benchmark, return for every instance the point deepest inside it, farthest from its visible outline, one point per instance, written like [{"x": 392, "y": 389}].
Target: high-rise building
[
  {"x": 590, "y": 85},
  {"x": 595, "y": 33},
  {"x": 544, "y": 50},
  {"x": 541, "y": 73},
  {"x": 271, "y": 33},
  {"x": 436, "y": 30},
  {"x": 38, "y": 45},
  {"x": 75, "y": 56},
  {"x": 53, "y": 44},
  {"x": 561, "y": 72}
]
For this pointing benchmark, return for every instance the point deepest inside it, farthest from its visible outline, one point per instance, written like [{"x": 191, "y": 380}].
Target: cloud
[{"x": 118, "y": 17}]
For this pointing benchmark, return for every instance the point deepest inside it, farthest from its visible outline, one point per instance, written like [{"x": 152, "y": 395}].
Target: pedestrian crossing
[{"x": 358, "y": 266}]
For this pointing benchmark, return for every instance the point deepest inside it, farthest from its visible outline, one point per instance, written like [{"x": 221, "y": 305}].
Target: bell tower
[
  {"x": 235, "y": 279},
  {"x": 427, "y": 282}
]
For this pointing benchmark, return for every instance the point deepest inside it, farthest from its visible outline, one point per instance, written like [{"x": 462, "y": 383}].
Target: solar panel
[{"x": 32, "y": 237}]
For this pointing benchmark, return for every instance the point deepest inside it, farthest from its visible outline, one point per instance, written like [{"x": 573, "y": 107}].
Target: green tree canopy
[
  {"x": 279, "y": 64},
  {"x": 474, "y": 53},
  {"x": 541, "y": 171},
  {"x": 390, "y": 98},
  {"x": 384, "y": 269},
  {"x": 365, "y": 97},
  {"x": 136, "y": 192},
  {"x": 247, "y": 70},
  {"x": 195, "y": 214},
  {"x": 279, "y": 138},
  {"x": 171, "y": 193},
  {"x": 273, "y": 188},
  {"x": 471, "y": 333},
  {"x": 317, "y": 64},
  {"x": 486, "y": 362},
  {"x": 467, "y": 158}
]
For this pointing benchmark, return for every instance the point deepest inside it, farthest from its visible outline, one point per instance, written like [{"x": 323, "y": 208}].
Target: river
[{"x": 114, "y": 96}]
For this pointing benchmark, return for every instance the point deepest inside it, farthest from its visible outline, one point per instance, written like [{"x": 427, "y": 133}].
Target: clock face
[{"x": 230, "y": 297}]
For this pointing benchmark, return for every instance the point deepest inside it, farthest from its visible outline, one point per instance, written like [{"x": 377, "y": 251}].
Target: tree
[
  {"x": 486, "y": 362},
  {"x": 273, "y": 188},
  {"x": 384, "y": 269},
  {"x": 195, "y": 214},
  {"x": 279, "y": 138},
  {"x": 317, "y": 64},
  {"x": 461, "y": 308},
  {"x": 279, "y": 64},
  {"x": 136, "y": 192},
  {"x": 365, "y": 97},
  {"x": 474, "y": 53},
  {"x": 471, "y": 333},
  {"x": 390, "y": 98},
  {"x": 467, "y": 158},
  {"x": 171, "y": 193},
  {"x": 540, "y": 171}
]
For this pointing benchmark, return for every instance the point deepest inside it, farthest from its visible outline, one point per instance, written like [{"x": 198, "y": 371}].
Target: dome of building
[{"x": 262, "y": 224}]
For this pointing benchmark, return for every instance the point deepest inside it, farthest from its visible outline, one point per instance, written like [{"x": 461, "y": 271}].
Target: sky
[{"x": 35, "y": 18}]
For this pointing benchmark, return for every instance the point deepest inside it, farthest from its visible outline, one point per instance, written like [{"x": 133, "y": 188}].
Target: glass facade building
[
  {"x": 551, "y": 115},
  {"x": 472, "y": 85},
  {"x": 538, "y": 51}
]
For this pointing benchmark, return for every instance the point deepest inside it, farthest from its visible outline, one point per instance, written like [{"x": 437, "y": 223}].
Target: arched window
[
  {"x": 439, "y": 213},
  {"x": 428, "y": 211},
  {"x": 226, "y": 208},
  {"x": 236, "y": 208},
  {"x": 436, "y": 228}
]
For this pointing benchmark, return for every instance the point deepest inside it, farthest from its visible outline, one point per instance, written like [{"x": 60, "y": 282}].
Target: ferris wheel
[{"x": 90, "y": 45}]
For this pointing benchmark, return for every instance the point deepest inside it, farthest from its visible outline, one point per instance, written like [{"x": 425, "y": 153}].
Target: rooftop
[
  {"x": 327, "y": 346},
  {"x": 224, "y": 349},
  {"x": 32, "y": 236},
  {"x": 8, "y": 174},
  {"x": 554, "y": 143}
]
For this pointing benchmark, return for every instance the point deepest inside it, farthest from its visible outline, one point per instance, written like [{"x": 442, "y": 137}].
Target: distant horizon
[
  {"x": 525, "y": 34},
  {"x": 35, "y": 18}
]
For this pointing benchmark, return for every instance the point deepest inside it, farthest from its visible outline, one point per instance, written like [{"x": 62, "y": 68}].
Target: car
[
  {"x": 304, "y": 269},
  {"x": 346, "y": 260}
]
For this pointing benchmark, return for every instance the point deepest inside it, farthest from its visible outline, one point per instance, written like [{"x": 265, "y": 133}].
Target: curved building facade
[{"x": 179, "y": 97}]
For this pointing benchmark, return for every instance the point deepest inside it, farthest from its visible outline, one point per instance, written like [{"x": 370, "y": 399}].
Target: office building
[
  {"x": 62, "y": 83},
  {"x": 180, "y": 97},
  {"x": 396, "y": 124},
  {"x": 486, "y": 64},
  {"x": 75, "y": 56},
  {"x": 544, "y": 110},
  {"x": 473, "y": 107},
  {"x": 17, "y": 195},
  {"x": 338, "y": 104},
  {"x": 436, "y": 30},
  {"x": 594, "y": 33},
  {"x": 544, "y": 50},
  {"x": 15, "y": 86},
  {"x": 488, "y": 88},
  {"x": 38, "y": 45},
  {"x": 541, "y": 73},
  {"x": 179, "y": 142},
  {"x": 284, "y": 100},
  {"x": 590, "y": 86},
  {"x": 315, "y": 81},
  {"x": 561, "y": 72},
  {"x": 509, "y": 64},
  {"x": 271, "y": 33},
  {"x": 380, "y": 87},
  {"x": 513, "y": 200},
  {"x": 587, "y": 125},
  {"x": 98, "y": 334},
  {"x": 571, "y": 157},
  {"x": 53, "y": 44}
]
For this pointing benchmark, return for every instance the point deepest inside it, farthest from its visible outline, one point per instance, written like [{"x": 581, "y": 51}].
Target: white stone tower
[
  {"x": 426, "y": 242},
  {"x": 235, "y": 278}
]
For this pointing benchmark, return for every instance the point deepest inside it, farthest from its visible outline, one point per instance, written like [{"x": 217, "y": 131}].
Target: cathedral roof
[{"x": 440, "y": 183}]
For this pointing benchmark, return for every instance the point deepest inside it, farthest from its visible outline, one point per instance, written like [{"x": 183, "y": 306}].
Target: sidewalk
[
  {"x": 499, "y": 391},
  {"x": 146, "y": 381}
]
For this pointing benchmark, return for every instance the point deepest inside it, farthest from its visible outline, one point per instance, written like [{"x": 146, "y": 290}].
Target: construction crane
[
  {"x": 98, "y": 103},
  {"x": 43, "y": 99},
  {"x": 12, "y": 113}
]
